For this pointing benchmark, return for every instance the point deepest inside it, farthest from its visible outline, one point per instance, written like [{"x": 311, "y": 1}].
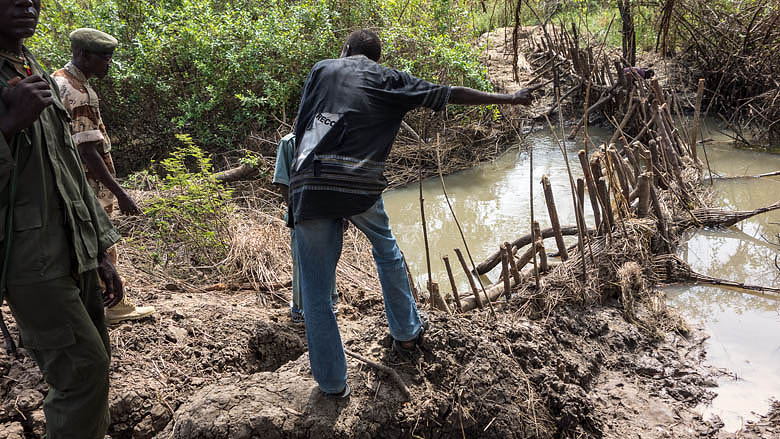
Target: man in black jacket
[{"x": 350, "y": 113}]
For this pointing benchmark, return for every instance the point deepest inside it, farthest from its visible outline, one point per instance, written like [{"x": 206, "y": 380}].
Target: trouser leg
[
  {"x": 296, "y": 275},
  {"x": 318, "y": 243},
  {"x": 62, "y": 327},
  {"x": 403, "y": 318}
]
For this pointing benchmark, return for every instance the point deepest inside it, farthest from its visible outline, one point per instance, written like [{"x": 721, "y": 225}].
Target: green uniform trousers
[{"x": 62, "y": 327}]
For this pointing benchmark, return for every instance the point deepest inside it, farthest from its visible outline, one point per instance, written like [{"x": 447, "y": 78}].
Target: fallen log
[
  {"x": 242, "y": 172},
  {"x": 521, "y": 242}
]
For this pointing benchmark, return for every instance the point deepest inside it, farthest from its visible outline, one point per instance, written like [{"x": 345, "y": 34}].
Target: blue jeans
[
  {"x": 296, "y": 275},
  {"x": 318, "y": 243}
]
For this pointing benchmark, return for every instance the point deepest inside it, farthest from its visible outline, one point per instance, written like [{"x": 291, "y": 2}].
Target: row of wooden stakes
[{"x": 621, "y": 184}]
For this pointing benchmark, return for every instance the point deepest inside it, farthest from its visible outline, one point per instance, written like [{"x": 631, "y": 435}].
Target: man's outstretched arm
[{"x": 470, "y": 96}]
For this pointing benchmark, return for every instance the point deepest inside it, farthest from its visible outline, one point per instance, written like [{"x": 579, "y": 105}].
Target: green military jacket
[{"x": 59, "y": 226}]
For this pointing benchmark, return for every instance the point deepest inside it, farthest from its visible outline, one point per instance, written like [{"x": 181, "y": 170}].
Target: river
[{"x": 492, "y": 204}]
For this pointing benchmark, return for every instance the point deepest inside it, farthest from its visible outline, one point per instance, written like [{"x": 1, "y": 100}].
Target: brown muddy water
[
  {"x": 744, "y": 329},
  {"x": 492, "y": 203}
]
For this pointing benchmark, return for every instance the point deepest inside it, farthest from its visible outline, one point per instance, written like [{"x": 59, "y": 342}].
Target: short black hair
[
  {"x": 365, "y": 42},
  {"x": 649, "y": 73}
]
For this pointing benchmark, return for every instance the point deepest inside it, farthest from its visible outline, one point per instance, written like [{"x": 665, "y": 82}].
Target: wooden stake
[
  {"x": 543, "y": 267},
  {"x": 513, "y": 264},
  {"x": 412, "y": 286},
  {"x": 644, "y": 195},
  {"x": 581, "y": 199},
  {"x": 621, "y": 174},
  {"x": 526, "y": 257},
  {"x": 660, "y": 218},
  {"x": 592, "y": 190},
  {"x": 553, "y": 212},
  {"x": 505, "y": 255},
  {"x": 452, "y": 282},
  {"x": 606, "y": 203},
  {"x": 437, "y": 301},
  {"x": 473, "y": 284}
]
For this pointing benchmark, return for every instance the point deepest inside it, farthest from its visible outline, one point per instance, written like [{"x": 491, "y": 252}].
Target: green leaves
[
  {"x": 191, "y": 210},
  {"x": 224, "y": 69}
]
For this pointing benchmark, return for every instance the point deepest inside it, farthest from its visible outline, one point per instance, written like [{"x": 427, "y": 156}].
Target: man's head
[
  {"x": 18, "y": 20},
  {"x": 363, "y": 42},
  {"x": 92, "y": 51},
  {"x": 649, "y": 73}
]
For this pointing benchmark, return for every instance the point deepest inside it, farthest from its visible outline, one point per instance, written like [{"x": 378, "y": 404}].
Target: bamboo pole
[
  {"x": 460, "y": 229},
  {"x": 553, "y": 213},
  {"x": 455, "y": 293},
  {"x": 424, "y": 223}
]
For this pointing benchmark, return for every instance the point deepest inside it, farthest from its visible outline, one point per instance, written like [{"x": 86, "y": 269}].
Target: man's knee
[{"x": 80, "y": 365}]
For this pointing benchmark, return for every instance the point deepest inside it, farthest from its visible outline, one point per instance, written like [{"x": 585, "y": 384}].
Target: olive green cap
[{"x": 93, "y": 40}]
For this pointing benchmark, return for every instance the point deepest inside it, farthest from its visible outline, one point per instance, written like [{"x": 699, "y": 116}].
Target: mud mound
[
  {"x": 474, "y": 376},
  {"x": 272, "y": 345}
]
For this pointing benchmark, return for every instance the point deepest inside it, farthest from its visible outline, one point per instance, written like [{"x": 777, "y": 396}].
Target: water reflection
[
  {"x": 491, "y": 202},
  {"x": 744, "y": 328}
]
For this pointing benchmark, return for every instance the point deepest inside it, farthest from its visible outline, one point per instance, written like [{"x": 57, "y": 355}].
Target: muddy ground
[{"x": 221, "y": 363}]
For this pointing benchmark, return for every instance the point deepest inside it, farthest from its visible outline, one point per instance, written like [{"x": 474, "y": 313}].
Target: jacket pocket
[
  {"x": 46, "y": 339},
  {"x": 26, "y": 239},
  {"x": 85, "y": 227},
  {"x": 27, "y": 218}
]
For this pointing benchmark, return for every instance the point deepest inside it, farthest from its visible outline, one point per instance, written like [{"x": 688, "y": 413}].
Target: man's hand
[
  {"x": 114, "y": 290},
  {"x": 126, "y": 204},
  {"x": 522, "y": 97},
  {"x": 26, "y": 99}
]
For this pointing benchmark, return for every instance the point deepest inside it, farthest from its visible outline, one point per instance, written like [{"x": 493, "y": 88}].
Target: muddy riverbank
[{"x": 225, "y": 362}]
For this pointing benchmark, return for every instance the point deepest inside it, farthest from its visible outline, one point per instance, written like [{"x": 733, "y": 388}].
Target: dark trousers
[{"x": 61, "y": 324}]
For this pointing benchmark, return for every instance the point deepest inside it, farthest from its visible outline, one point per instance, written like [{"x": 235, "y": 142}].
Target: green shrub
[
  {"x": 221, "y": 70},
  {"x": 190, "y": 211}
]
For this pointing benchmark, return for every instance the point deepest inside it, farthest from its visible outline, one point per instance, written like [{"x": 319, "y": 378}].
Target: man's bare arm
[
  {"x": 470, "y": 96},
  {"x": 97, "y": 167}
]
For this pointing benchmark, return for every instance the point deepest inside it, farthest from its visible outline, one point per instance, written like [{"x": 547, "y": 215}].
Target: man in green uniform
[
  {"x": 92, "y": 53},
  {"x": 53, "y": 236}
]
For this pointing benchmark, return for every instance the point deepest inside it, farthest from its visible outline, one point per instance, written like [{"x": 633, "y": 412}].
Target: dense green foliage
[{"x": 221, "y": 70}]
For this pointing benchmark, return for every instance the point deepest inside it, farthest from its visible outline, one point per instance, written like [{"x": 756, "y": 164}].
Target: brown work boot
[{"x": 126, "y": 309}]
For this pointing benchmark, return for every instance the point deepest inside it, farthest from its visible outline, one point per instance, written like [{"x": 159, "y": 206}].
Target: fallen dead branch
[
  {"x": 382, "y": 368},
  {"x": 735, "y": 177},
  {"x": 672, "y": 269}
]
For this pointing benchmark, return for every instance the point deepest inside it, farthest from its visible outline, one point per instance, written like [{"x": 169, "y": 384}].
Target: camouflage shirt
[{"x": 86, "y": 126}]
